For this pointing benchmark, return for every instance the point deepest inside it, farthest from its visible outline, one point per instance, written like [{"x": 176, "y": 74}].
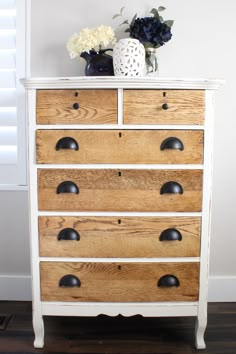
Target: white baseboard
[
  {"x": 18, "y": 288},
  {"x": 222, "y": 289},
  {"x": 15, "y": 287}
]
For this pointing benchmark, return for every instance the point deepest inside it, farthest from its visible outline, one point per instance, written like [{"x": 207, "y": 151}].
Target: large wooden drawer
[
  {"x": 164, "y": 107},
  {"x": 76, "y": 106},
  {"x": 123, "y": 146},
  {"x": 119, "y": 237},
  {"x": 119, "y": 282},
  {"x": 119, "y": 190}
]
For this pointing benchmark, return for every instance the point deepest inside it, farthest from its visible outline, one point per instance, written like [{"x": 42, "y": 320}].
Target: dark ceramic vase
[{"x": 98, "y": 63}]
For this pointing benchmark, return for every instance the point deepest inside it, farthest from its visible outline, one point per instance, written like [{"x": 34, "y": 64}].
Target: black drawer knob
[
  {"x": 165, "y": 106},
  {"x": 170, "y": 235},
  {"x": 172, "y": 143},
  {"x": 67, "y": 187},
  {"x": 69, "y": 281},
  {"x": 67, "y": 143},
  {"x": 68, "y": 234},
  {"x": 168, "y": 281},
  {"x": 171, "y": 188},
  {"x": 76, "y": 105}
]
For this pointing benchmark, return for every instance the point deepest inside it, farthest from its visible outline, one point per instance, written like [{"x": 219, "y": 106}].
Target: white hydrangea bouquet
[
  {"x": 90, "y": 39},
  {"x": 89, "y": 44}
]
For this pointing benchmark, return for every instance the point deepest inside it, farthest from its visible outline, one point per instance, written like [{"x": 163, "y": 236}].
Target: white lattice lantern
[{"x": 128, "y": 58}]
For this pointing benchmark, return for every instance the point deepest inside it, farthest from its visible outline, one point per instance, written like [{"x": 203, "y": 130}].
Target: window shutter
[
  {"x": 12, "y": 67},
  {"x": 8, "y": 122}
]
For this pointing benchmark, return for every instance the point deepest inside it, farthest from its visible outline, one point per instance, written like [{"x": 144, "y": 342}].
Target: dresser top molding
[{"x": 120, "y": 82}]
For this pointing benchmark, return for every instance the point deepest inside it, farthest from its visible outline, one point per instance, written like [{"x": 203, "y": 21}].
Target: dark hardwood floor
[{"x": 107, "y": 335}]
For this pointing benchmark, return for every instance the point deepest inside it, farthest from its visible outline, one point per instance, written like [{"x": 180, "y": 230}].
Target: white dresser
[{"x": 120, "y": 194}]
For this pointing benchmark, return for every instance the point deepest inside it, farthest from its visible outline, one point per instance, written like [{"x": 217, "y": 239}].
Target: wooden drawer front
[
  {"x": 163, "y": 107},
  {"x": 76, "y": 106},
  {"x": 124, "y": 146},
  {"x": 118, "y": 282},
  {"x": 119, "y": 237},
  {"x": 119, "y": 190}
]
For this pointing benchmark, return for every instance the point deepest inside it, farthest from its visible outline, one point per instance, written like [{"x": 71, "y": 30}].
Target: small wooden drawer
[
  {"x": 123, "y": 146},
  {"x": 119, "y": 282},
  {"x": 119, "y": 190},
  {"x": 164, "y": 107},
  {"x": 76, "y": 106},
  {"x": 119, "y": 237}
]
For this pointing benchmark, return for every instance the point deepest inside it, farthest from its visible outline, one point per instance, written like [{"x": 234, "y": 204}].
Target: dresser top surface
[{"x": 120, "y": 82}]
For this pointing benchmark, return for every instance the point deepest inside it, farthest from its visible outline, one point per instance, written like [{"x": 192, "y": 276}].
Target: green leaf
[
  {"x": 161, "y": 18},
  {"x": 124, "y": 23},
  {"x": 121, "y": 10},
  {"x": 155, "y": 12},
  {"x": 169, "y": 23},
  {"x": 127, "y": 30},
  {"x": 115, "y": 16},
  {"x": 133, "y": 19},
  {"x": 161, "y": 8},
  {"x": 148, "y": 45}
]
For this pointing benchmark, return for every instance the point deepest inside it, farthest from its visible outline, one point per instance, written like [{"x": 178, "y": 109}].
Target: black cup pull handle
[
  {"x": 168, "y": 281},
  {"x": 67, "y": 187},
  {"x": 171, "y": 188},
  {"x": 67, "y": 143},
  {"x": 68, "y": 234},
  {"x": 170, "y": 235},
  {"x": 69, "y": 281},
  {"x": 172, "y": 143}
]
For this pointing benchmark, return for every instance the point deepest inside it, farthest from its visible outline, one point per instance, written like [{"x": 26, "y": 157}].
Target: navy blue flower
[{"x": 150, "y": 31}]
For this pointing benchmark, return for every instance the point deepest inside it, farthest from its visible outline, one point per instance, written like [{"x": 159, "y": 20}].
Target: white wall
[
  {"x": 14, "y": 246},
  {"x": 202, "y": 46}
]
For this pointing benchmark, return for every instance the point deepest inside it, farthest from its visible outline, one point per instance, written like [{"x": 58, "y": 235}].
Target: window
[{"x": 12, "y": 97}]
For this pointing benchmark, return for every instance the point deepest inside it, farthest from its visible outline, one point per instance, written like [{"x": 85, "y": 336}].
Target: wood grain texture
[
  {"x": 119, "y": 190},
  {"x": 124, "y": 146},
  {"x": 145, "y": 106},
  {"x": 119, "y": 282},
  {"x": 119, "y": 237},
  {"x": 95, "y": 106}
]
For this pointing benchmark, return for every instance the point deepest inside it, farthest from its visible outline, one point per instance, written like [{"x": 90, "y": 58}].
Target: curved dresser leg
[
  {"x": 38, "y": 326},
  {"x": 200, "y": 328}
]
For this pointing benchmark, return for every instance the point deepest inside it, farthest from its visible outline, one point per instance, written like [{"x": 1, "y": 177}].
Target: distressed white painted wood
[
  {"x": 110, "y": 82},
  {"x": 122, "y": 166},
  {"x": 122, "y": 260},
  {"x": 155, "y": 309},
  {"x": 38, "y": 324},
  {"x": 198, "y": 308},
  {"x": 201, "y": 321},
  {"x": 116, "y": 213},
  {"x": 120, "y": 126}
]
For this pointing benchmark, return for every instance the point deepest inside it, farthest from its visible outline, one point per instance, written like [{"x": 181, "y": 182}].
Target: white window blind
[{"x": 12, "y": 102}]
